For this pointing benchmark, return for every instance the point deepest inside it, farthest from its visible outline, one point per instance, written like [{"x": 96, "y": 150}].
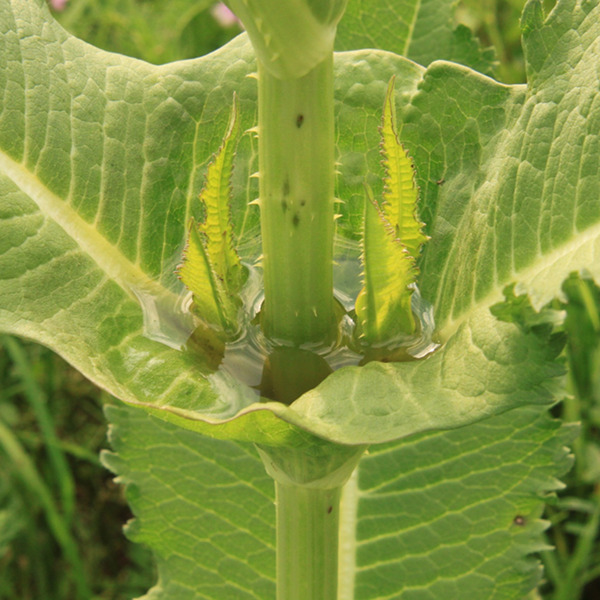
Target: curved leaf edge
[{"x": 315, "y": 419}]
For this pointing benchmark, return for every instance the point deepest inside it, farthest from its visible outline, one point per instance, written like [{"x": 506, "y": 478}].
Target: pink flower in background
[
  {"x": 223, "y": 16},
  {"x": 58, "y": 5}
]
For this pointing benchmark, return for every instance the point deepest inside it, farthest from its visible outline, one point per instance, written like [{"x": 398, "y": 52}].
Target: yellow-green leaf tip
[{"x": 400, "y": 192}]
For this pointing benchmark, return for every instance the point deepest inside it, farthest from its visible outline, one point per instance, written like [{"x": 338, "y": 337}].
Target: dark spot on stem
[
  {"x": 284, "y": 206},
  {"x": 299, "y": 121},
  {"x": 329, "y": 510},
  {"x": 286, "y": 187},
  {"x": 296, "y": 220},
  {"x": 519, "y": 520},
  {"x": 302, "y": 202}
]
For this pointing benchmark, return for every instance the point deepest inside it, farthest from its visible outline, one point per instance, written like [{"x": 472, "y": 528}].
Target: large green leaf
[
  {"x": 445, "y": 515},
  {"x": 102, "y": 158},
  {"x": 520, "y": 167},
  {"x": 422, "y": 30},
  {"x": 456, "y": 514},
  {"x": 205, "y": 507}
]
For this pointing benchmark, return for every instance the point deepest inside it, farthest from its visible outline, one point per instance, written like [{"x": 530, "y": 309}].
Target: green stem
[
  {"x": 307, "y": 542},
  {"x": 296, "y": 160},
  {"x": 308, "y": 487},
  {"x": 572, "y": 413}
]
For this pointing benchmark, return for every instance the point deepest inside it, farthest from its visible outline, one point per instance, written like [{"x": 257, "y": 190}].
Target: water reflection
[{"x": 281, "y": 372}]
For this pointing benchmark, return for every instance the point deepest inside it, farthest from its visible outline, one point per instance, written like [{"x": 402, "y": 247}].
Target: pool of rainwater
[{"x": 276, "y": 371}]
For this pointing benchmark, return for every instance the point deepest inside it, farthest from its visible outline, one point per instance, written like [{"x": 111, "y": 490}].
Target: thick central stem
[
  {"x": 296, "y": 161},
  {"x": 307, "y": 542},
  {"x": 308, "y": 486}
]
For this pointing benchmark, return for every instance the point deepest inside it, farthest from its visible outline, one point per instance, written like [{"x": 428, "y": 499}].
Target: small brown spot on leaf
[{"x": 299, "y": 121}]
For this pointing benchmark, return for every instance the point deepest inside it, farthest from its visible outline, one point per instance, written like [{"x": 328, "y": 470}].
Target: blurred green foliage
[
  {"x": 497, "y": 23},
  {"x": 158, "y": 32},
  {"x": 60, "y": 511},
  {"x": 573, "y": 570}
]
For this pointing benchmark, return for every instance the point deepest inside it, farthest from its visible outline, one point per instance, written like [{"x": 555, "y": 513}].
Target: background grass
[{"x": 60, "y": 512}]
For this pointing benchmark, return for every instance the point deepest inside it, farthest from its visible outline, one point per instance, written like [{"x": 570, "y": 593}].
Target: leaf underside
[{"x": 445, "y": 515}]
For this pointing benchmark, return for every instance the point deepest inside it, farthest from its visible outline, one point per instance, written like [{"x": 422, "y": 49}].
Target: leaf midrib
[
  {"x": 543, "y": 262},
  {"x": 411, "y": 28},
  {"x": 109, "y": 259}
]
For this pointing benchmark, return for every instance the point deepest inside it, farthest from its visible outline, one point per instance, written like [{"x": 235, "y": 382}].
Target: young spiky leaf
[
  {"x": 400, "y": 192},
  {"x": 392, "y": 240},
  {"x": 211, "y": 300},
  {"x": 211, "y": 267},
  {"x": 383, "y": 306},
  {"x": 215, "y": 196}
]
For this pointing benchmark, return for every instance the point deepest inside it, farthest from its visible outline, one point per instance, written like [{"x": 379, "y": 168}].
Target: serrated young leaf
[
  {"x": 211, "y": 267},
  {"x": 212, "y": 303},
  {"x": 215, "y": 196},
  {"x": 383, "y": 306},
  {"x": 400, "y": 193}
]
